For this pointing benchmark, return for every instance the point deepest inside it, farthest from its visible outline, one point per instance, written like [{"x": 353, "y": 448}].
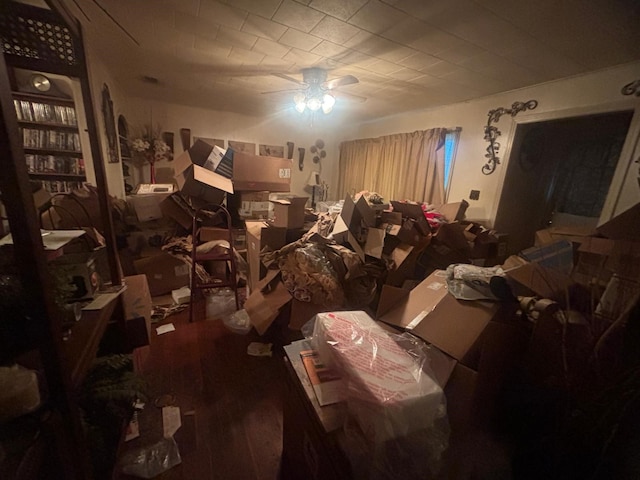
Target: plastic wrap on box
[{"x": 397, "y": 413}]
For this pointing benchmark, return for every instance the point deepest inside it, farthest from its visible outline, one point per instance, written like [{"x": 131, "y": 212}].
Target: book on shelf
[
  {"x": 44, "y": 112},
  {"x": 326, "y": 382}
]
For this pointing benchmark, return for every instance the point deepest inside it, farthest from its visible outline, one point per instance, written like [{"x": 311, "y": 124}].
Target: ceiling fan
[{"x": 315, "y": 92}]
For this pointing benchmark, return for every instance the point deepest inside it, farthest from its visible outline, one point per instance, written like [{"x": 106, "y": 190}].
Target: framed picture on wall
[
  {"x": 110, "y": 125},
  {"x": 214, "y": 142},
  {"x": 271, "y": 151},
  {"x": 243, "y": 147},
  {"x": 168, "y": 139}
]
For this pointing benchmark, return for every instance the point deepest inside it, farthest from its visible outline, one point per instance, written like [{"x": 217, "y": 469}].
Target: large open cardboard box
[
  {"x": 260, "y": 235},
  {"x": 288, "y": 212},
  {"x": 480, "y": 341},
  {"x": 164, "y": 273},
  {"x": 195, "y": 179}
]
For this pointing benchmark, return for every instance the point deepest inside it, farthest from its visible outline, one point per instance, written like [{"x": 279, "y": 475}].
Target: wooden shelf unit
[{"x": 62, "y": 364}]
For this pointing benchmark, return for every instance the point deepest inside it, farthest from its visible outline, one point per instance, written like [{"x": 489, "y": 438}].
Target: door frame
[{"x": 612, "y": 205}]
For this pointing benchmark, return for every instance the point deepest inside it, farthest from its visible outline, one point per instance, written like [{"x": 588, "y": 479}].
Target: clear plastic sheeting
[
  {"x": 469, "y": 282},
  {"x": 397, "y": 425},
  {"x": 151, "y": 461},
  {"x": 221, "y": 303}
]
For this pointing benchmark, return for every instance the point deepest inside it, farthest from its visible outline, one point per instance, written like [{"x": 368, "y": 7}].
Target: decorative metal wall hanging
[
  {"x": 632, "y": 88},
  {"x": 491, "y": 132},
  {"x": 301, "y": 158}
]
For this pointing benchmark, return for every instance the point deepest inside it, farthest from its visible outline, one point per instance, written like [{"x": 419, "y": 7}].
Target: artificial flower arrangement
[{"x": 150, "y": 147}]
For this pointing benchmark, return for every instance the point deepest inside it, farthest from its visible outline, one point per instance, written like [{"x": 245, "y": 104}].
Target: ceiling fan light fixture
[
  {"x": 314, "y": 104},
  {"x": 328, "y": 101},
  {"x": 300, "y": 101}
]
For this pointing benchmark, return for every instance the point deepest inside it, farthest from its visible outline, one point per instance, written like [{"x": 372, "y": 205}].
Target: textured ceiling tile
[
  {"x": 460, "y": 53},
  {"x": 406, "y": 30},
  {"x": 246, "y": 56},
  {"x": 298, "y": 16},
  {"x": 429, "y": 81},
  {"x": 342, "y": 9},
  {"x": 302, "y": 58},
  {"x": 328, "y": 49},
  {"x": 212, "y": 47},
  {"x": 397, "y": 53},
  {"x": 268, "y": 47},
  {"x": 186, "y": 6},
  {"x": 418, "y": 61},
  {"x": 193, "y": 25},
  {"x": 335, "y": 30},
  {"x": 406, "y": 74},
  {"x": 352, "y": 57},
  {"x": 297, "y": 39},
  {"x": 383, "y": 67},
  {"x": 222, "y": 14},
  {"x": 426, "y": 10},
  {"x": 442, "y": 68},
  {"x": 264, "y": 8},
  {"x": 434, "y": 41},
  {"x": 376, "y": 17},
  {"x": 264, "y": 28},
  {"x": 236, "y": 38},
  {"x": 278, "y": 64}
]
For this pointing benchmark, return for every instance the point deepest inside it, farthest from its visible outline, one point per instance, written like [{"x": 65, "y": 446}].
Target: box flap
[
  {"x": 414, "y": 211},
  {"x": 254, "y": 228},
  {"x": 375, "y": 242},
  {"x": 263, "y": 308},
  {"x": 389, "y": 298},
  {"x": 419, "y": 303},
  {"x": 545, "y": 282},
  {"x": 453, "y": 211},
  {"x": 623, "y": 226},
  {"x": 212, "y": 179}
]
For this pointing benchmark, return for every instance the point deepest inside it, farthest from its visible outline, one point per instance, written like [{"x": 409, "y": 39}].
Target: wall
[
  {"x": 98, "y": 76},
  {"x": 288, "y": 126},
  {"x": 590, "y": 93}
]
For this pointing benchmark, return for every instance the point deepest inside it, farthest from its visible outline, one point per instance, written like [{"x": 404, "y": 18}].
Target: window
[{"x": 450, "y": 147}]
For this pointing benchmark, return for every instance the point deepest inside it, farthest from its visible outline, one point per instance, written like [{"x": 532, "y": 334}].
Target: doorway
[{"x": 559, "y": 174}]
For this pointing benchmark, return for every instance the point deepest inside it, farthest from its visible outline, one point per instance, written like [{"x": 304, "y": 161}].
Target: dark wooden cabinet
[{"x": 311, "y": 433}]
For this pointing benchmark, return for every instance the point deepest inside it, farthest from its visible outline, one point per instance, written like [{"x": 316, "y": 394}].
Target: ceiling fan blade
[
  {"x": 349, "y": 96},
  {"x": 340, "y": 82},
  {"x": 287, "y": 77},
  {"x": 286, "y": 90}
]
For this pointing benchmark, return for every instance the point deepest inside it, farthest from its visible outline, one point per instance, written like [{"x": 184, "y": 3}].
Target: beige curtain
[{"x": 404, "y": 166}]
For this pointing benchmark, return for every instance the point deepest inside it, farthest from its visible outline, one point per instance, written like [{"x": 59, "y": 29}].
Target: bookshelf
[{"x": 51, "y": 140}]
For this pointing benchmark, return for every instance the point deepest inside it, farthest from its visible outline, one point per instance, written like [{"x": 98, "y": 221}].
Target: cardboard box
[
  {"x": 453, "y": 212},
  {"x": 259, "y": 236},
  {"x": 147, "y": 206},
  {"x": 180, "y": 209},
  {"x": 557, "y": 255},
  {"x": 574, "y": 234},
  {"x": 137, "y": 306},
  {"x": 414, "y": 211},
  {"x": 261, "y": 173},
  {"x": 269, "y": 295},
  {"x": 164, "y": 273},
  {"x": 482, "y": 344},
  {"x": 81, "y": 270},
  {"x": 623, "y": 226},
  {"x": 238, "y": 236},
  {"x": 358, "y": 215},
  {"x": 289, "y": 212},
  {"x": 195, "y": 179},
  {"x": 254, "y": 205}
]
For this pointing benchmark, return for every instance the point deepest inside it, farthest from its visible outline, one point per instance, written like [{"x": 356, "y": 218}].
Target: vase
[{"x": 152, "y": 172}]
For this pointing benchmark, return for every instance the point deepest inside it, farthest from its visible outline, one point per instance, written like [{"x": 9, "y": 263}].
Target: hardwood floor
[{"x": 230, "y": 402}]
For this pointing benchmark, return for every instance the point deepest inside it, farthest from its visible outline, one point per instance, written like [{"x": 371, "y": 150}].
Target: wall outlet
[{"x": 474, "y": 195}]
